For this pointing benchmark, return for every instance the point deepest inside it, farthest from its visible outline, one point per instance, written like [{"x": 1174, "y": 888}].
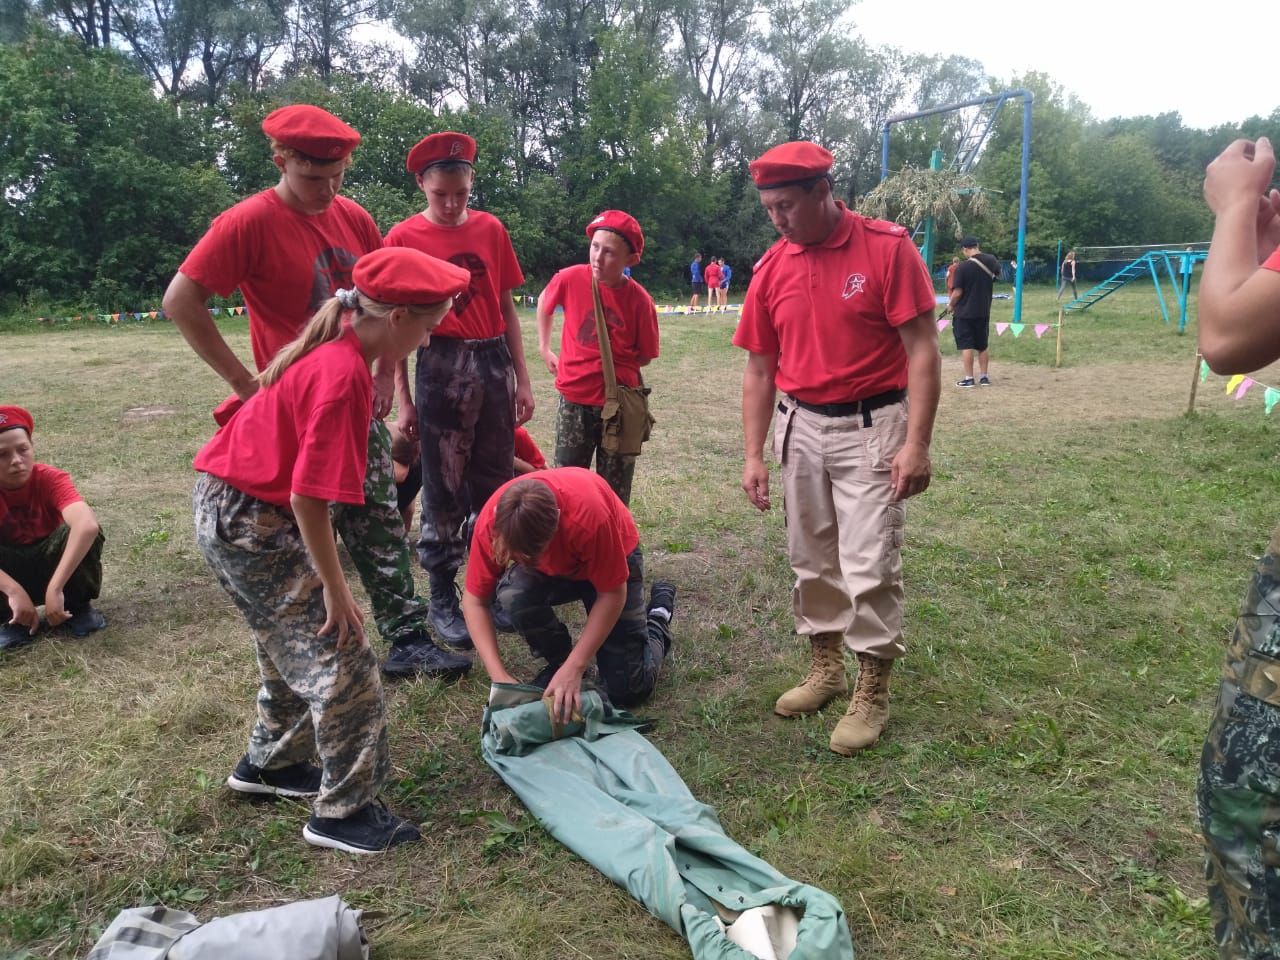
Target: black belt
[
  {"x": 477, "y": 346},
  {"x": 865, "y": 405}
]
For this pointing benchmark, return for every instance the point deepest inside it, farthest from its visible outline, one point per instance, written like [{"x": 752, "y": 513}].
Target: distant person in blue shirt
[
  {"x": 695, "y": 275},
  {"x": 726, "y": 272}
]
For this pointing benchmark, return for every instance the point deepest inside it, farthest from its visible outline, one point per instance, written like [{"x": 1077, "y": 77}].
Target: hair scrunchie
[{"x": 350, "y": 299}]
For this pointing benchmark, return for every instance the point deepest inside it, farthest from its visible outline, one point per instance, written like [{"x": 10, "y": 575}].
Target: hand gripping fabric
[{"x": 600, "y": 788}]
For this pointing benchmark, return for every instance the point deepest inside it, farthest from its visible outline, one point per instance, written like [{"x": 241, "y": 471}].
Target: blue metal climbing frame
[{"x": 1178, "y": 265}]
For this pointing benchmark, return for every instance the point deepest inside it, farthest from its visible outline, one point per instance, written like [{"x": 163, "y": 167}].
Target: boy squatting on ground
[
  {"x": 287, "y": 249},
  {"x": 467, "y": 405},
  {"x": 1239, "y": 789},
  {"x": 267, "y": 480},
  {"x": 616, "y": 242},
  {"x": 551, "y": 538},
  {"x": 50, "y": 543}
]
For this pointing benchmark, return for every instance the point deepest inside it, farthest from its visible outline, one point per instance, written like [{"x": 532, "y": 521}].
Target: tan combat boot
[
  {"x": 868, "y": 712},
  {"x": 825, "y": 682}
]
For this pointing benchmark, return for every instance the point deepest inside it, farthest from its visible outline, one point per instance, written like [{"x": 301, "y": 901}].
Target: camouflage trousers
[
  {"x": 33, "y": 566},
  {"x": 314, "y": 698},
  {"x": 1239, "y": 790},
  {"x": 632, "y": 653},
  {"x": 465, "y": 395},
  {"x": 375, "y": 538},
  {"x": 578, "y": 440}
]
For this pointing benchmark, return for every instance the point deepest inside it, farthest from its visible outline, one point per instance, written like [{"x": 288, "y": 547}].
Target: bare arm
[
  {"x": 23, "y": 611},
  {"x": 406, "y": 412},
  {"x": 341, "y": 610},
  {"x": 1239, "y": 315},
  {"x": 565, "y": 688},
  {"x": 758, "y": 396},
  {"x": 480, "y": 625},
  {"x": 186, "y": 304},
  {"x": 80, "y": 518},
  {"x": 515, "y": 345},
  {"x": 544, "y": 337},
  {"x": 911, "y": 467}
]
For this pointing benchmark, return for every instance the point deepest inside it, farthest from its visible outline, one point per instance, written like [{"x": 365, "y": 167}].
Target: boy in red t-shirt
[
  {"x": 471, "y": 383},
  {"x": 268, "y": 484},
  {"x": 713, "y": 277},
  {"x": 616, "y": 242},
  {"x": 50, "y": 542},
  {"x": 551, "y": 538},
  {"x": 287, "y": 249}
]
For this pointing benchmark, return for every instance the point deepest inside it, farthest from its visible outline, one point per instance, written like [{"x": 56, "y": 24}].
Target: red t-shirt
[
  {"x": 285, "y": 263},
  {"x": 591, "y": 542},
  {"x": 1273, "y": 262},
  {"x": 633, "y": 333},
  {"x": 482, "y": 246},
  {"x": 528, "y": 451},
  {"x": 307, "y": 433},
  {"x": 828, "y": 312},
  {"x": 35, "y": 511},
  {"x": 712, "y": 273}
]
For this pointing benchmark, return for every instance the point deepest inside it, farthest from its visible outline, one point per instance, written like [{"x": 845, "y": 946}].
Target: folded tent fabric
[
  {"x": 325, "y": 929},
  {"x": 604, "y": 791}
]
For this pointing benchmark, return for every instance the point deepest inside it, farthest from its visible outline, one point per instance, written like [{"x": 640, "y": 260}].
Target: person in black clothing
[{"x": 971, "y": 309}]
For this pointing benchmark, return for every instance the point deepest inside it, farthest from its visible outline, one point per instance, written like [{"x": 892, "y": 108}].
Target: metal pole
[
  {"x": 1195, "y": 381},
  {"x": 926, "y": 252},
  {"x": 1027, "y": 99}
]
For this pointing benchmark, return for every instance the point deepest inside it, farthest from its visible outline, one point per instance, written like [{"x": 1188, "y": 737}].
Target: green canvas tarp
[{"x": 605, "y": 792}]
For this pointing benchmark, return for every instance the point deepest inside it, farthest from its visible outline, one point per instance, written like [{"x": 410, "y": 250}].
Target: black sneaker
[
  {"x": 371, "y": 829},
  {"x": 85, "y": 621},
  {"x": 662, "y": 600},
  {"x": 299, "y": 780},
  {"x": 13, "y": 636},
  {"x": 965, "y": 382},
  {"x": 545, "y": 674},
  {"x": 445, "y": 614},
  {"x": 421, "y": 657},
  {"x": 984, "y": 381}
]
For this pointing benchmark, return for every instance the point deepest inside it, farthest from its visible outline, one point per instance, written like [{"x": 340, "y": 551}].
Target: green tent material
[{"x": 610, "y": 796}]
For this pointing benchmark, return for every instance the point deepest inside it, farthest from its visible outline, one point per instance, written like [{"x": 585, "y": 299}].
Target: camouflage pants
[
  {"x": 633, "y": 651},
  {"x": 466, "y": 415},
  {"x": 33, "y": 566},
  {"x": 314, "y": 697},
  {"x": 1239, "y": 790},
  {"x": 375, "y": 537},
  {"x": 578, "y": 440}
]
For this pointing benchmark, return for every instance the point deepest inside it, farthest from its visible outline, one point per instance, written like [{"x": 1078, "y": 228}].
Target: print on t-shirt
[
  {"x": 468, "y": 261},
  {"x": 587, "y": 329},
  {"x": 331, "y": 272}
]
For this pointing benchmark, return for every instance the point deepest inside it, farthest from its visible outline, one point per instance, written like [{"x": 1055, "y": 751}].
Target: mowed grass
[{"x": 1071, "y": 577}]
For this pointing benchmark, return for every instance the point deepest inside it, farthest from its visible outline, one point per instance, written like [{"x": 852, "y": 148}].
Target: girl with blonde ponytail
[{"x": 262, "y": 502}]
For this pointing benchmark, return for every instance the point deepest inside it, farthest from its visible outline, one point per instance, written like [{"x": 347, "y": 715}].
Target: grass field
[{"x": 1071, "y": 577}]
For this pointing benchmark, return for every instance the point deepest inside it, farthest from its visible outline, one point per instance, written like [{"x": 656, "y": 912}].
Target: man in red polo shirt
[
  {"x": 289, "y": 249},
  {"x": 839, "y": 319}
]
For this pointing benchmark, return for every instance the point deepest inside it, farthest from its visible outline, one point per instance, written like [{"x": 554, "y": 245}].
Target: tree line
[{"x": 126, "y": 125}]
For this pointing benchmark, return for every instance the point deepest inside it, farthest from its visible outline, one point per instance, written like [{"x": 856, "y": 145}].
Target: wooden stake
[
  {"x": 1057, "y": 362},
  {"x": 1195, "y": 381}
]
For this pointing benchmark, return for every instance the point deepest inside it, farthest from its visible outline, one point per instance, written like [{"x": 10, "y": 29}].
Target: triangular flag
[
  {"x": 1001, "y": 328},
  {"x": 1016, "y": 328},
  {"x": 151, "y": 314},
  {"x": 943, "y": 323},
  {"x": 1041, "y": 330},
  {"x": 115, "y": 318},
  {"x": 1244, "y": 387},
  {"x": 1204, "y": 371},
  {"x": 1234, "y": 382},
  {"x": 1270, "y": 398},
  {"x": 239, "y": 311}
]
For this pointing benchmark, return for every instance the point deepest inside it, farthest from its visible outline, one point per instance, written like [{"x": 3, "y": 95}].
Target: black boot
[
  {"x": 662, "y": 610},
  {"x": 419, "y": 656},
  {"x": 445, "y": 613}
]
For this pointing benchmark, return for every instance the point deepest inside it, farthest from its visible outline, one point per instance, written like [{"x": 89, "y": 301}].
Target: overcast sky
[{"x": 1123, "y": 58}]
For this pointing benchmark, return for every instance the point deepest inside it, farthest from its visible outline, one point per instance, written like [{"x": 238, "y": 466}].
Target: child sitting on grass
[{"x": 50, "y": 542}]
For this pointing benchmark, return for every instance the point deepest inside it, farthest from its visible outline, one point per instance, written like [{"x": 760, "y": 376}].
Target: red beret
[
  {"x": 406, "y": 277},
  {"x": 11, "y": 417},
  {"x": 310, "y": 130},
  {"x": 620, "y": 223},
  {"x": 790, "y": 163},
  {"x": 446, "y": 147}
]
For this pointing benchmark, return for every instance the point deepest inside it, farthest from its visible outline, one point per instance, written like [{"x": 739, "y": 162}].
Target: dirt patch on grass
[{"x": 143, "y": 414}]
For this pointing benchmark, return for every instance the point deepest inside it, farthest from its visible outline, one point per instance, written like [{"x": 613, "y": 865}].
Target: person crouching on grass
[
  {"x": 550, "y": 538},
  {"x": 50, "y": 543},
  {"x": 267, "y": 481}
]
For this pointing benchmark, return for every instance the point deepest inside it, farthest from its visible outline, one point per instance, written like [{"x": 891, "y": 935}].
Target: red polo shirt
[
  {"x": 286, "y": 263},
  {"x": 307, "y": 433},
  {"x": 828, "y": 311},
  {"x": 591, "y": 542},
  {"x": 35, "y": 511},
  {"x": 632, "y": 321},
  {"x": 481, "y": 245}
]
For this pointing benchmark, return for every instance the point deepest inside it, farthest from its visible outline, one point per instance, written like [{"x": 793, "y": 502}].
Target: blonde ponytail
[{"x": 325, "y": 326}]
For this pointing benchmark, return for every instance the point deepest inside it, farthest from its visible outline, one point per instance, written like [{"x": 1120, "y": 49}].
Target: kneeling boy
[
  {"x": 566, "y": 536},
  {"x": 50, "y": 543}
]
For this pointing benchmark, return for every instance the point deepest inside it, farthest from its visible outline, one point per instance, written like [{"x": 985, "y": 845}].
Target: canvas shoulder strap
[{"x": 606, "y": 348}]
